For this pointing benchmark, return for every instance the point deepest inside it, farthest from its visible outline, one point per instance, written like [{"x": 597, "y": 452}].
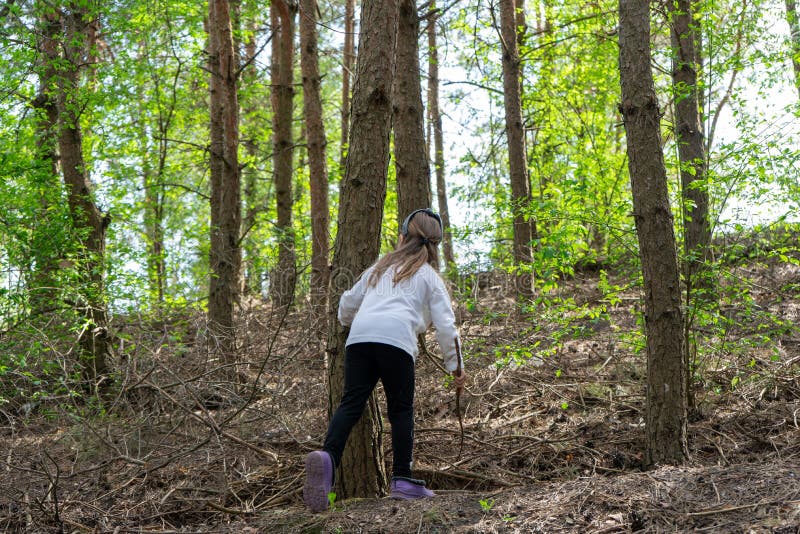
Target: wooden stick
[{"x": 459, "y": 389}]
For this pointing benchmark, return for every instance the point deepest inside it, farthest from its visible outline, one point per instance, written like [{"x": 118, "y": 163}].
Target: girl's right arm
[{"x": 444, "y": 322}]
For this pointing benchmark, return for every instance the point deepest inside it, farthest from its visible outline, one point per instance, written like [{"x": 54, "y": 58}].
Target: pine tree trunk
[
  {"x": 86, "y": 217},
  {"x": 225, "y": 183},
  {"x": 251, "y": 275},
  {"x": 362, "y": 195},
  {"x": 666, "y": 363},
  {"x": 691, "y": 152},
  {"x": 318, "y": 171},
  {"x": 348, "y": 62},
  {"x": 515, "y": 135},
  {"x": 283, "y": 277},
  {"x": 794, "y": 28},
  {"x": 438, "y": 141},
  {"x": 412, "y": 170}
]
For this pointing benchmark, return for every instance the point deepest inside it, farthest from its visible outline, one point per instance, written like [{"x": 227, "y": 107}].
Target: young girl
[{"x": 394, "y": 300}]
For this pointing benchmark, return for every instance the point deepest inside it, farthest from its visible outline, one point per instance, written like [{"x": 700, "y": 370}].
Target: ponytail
[{"x": 418, "y": 247}]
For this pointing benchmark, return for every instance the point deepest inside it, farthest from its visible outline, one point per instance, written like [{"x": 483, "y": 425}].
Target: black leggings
[{"x": 364, "y": 364}]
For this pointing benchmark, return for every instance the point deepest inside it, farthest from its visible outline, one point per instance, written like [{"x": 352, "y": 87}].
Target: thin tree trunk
[
  {"x": 152, "y": 183},
  {"x": 542, "y": 149},
  {"x": 348, "y": 61},
  {"x": 318, "y": 171},
  {"x": 522, "y": 41},
  {"x": 251, "y": 276},
  {"x": 438, "y": 141},
  {"x": 45, "y": 248},
  {"x": 225, "y": 182},
  {"x": 666, "y": 362},
  {"x": 515, "y": 135},
  {"x": 362, "y": 195},
  {"x": 794, "y": 28},
  {"x": 284, "y": 275},
  {"x": 154, "y": 226},
  {"x": 157, "y": 251},
  {"x": 86, "y": 217},
  {"x": 691, "y": 152},
  {"x": 412, "y": 170}
]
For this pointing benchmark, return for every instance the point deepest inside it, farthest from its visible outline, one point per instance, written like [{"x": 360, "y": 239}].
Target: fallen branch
[{"x": 714, "y": 511}]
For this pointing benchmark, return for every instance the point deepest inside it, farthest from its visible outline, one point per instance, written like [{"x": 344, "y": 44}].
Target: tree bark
[
  {"x": 45, "y": 249},
  {"x": 542, "y": 142},
  {"x": 412, "y": 170},
  {"x": 153, "y": 183},
  {"x": 438, "y": 141},
  {"x": 251, "y": 271},
  {"x": 284, "y": 275},
  {"x": 362, "y": 195},
  {"x": 691, "y": 152},
  {"x": 225, "y": 182},
  {"x": 515, "y": 135},
  {"x": 348, "y": 61},
  {"x": 318, "y": 171},
  {"x": 666, "y": 361},
  {"x": 794, "y": 28},
  {"x": 521, "y": 24},
  {"x": 86, "y": 217},
  {"x": 154, "y": 218}
]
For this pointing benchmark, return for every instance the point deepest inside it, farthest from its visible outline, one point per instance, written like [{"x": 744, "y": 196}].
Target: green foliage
[
  {"x": 576, "y": 152},
  {"x": 739, "y": 327}
]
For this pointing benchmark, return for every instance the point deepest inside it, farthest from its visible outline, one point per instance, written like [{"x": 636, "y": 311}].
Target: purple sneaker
[
  {"x": 409, "y": 488},
  {"x": 319, "y": 479}
]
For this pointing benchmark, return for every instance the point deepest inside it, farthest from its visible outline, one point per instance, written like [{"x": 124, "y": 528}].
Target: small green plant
[
  {"x": 332, "y": 500},
  {"x": 486, "y": 505}
]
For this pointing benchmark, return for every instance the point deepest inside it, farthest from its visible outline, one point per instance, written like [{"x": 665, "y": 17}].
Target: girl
[{"x": 393, "y": 302}]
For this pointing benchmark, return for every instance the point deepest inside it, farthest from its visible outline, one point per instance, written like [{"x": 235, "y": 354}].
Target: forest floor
[{"x": 553, "y": 437}]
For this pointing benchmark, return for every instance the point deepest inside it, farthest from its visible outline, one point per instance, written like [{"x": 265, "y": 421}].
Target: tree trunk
[
  {"x": 45, "y": 249},
  {"x": 412, "y": 170},
  {"x": 86, "y": 217},
  {"x": 154, "y": 220},
  {"x": 348, "y": 61},
  {"x": 283, "y": 278},
  {"x": 438, "y": 142},
  {"x": 251, "y": 273},
  {"x": 691, "y": 152},
  {"x": 542, "y": 143},
  {"x": 794, "y": 28},
  {"x": 318, "y": 171},
  {"x": 666, "y": 362},
  {"x": 522, "y": 41},
  {"x": 153, "y": 185},
  {"x": 515, "y": 135},
  {"x": 362, "y": 195},
  {"x": 225, "y": 186}
]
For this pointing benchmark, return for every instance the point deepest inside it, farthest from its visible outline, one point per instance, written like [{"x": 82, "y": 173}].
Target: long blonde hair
[{"x": 419, "y": 246}]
